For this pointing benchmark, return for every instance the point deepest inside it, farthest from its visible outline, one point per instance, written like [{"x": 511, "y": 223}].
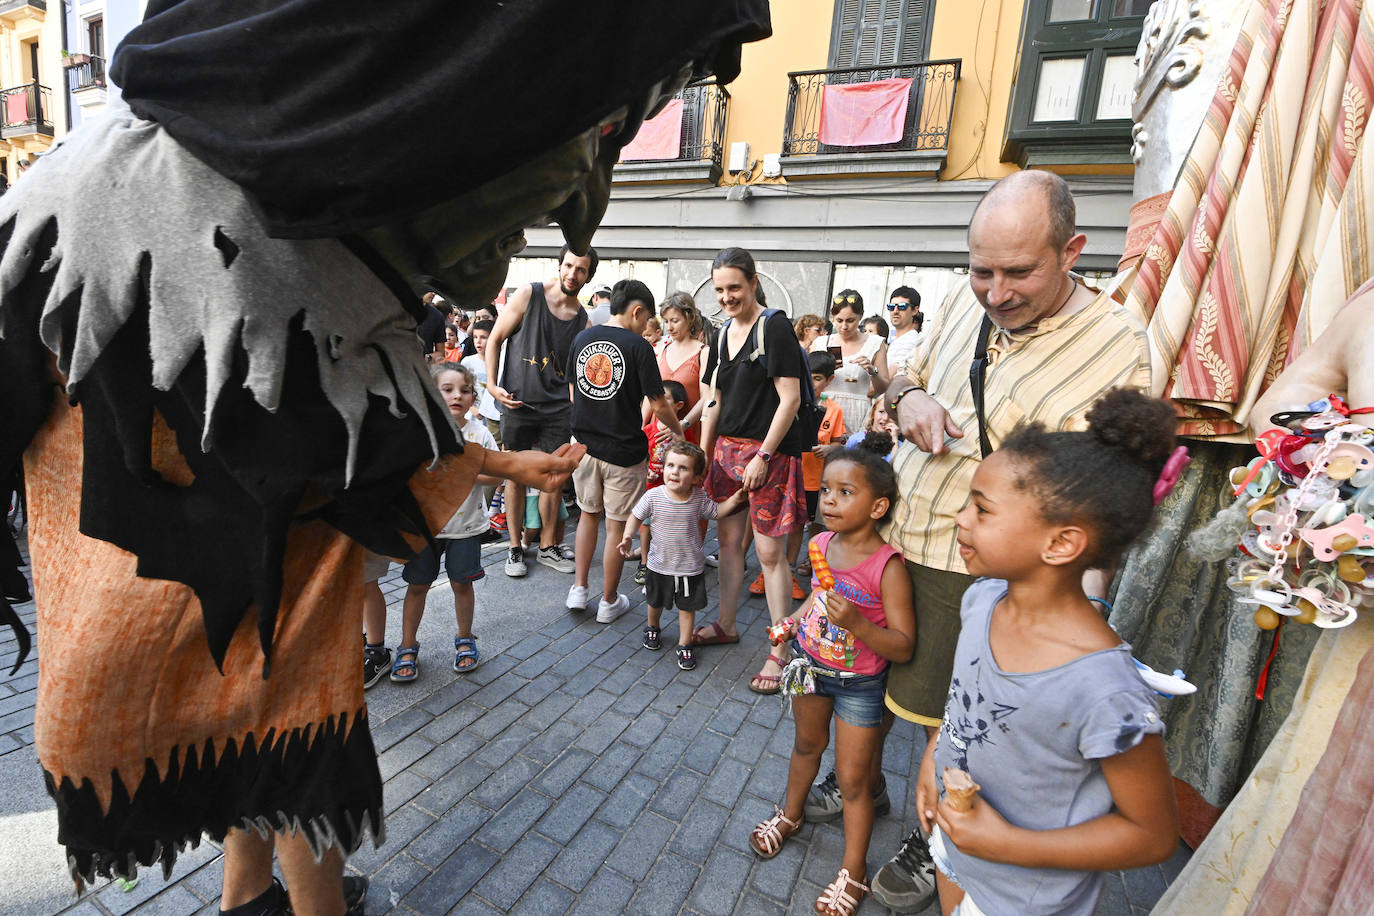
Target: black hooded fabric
[
  {"x": 200, "y": 270},
  {"x": 287, "y": 98}
]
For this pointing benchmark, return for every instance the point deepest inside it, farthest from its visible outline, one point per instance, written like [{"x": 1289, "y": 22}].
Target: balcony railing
[
  {"x": 928, "y": 114},
  {"x": 24, "y": 110},
  {"x": 704, "y": 106},
  {"x": 87, "y": 75},
  {"x": 700, "y": 150}
]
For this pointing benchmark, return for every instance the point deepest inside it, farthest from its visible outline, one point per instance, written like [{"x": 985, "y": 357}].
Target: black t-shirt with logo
[
  {"x": 748, "y": 396},
  {"x": 612, "y": 370}
]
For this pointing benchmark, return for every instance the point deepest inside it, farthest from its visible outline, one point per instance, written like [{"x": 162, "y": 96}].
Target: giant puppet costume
[{"x": 208, "y": 363}]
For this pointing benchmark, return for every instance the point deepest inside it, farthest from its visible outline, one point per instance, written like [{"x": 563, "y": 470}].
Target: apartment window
[
  {"x": 867, "y": 33},
  {"x": 1071, "y": 104},
  {"x": 95, "y": 37}
]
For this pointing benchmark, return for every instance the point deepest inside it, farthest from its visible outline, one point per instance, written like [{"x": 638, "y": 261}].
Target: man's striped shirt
[{"x": 1051, "y": 373}]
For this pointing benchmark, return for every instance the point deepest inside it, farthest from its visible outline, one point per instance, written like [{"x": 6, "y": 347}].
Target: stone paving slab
[{"x": 574, "y": 771}]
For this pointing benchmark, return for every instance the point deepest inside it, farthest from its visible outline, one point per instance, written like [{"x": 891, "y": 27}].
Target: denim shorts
[
  {"x": 858, "y": 699},
  {"x": 940, "y": 857},
  {"x": 462, "y": 559}
]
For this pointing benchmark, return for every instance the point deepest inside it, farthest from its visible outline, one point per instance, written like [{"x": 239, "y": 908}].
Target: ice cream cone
[{"x": 959, "y": 789}]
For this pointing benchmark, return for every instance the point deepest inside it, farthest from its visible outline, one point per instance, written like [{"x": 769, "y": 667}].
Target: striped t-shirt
[
  {"x": 1050, "y": 373},
  {"x": 675, "y": 548}
]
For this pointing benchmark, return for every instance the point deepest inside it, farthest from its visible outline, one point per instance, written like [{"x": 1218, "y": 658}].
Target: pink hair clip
[{"x": 1173, "y": 470}]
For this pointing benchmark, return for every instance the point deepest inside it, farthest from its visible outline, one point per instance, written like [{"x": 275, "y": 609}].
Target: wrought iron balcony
[
  {"x": 24, "y": 110},
  {"x": 702, "y": 147},
  {"x": 930, "y": 108},
  {"x": 89, "y": 74}
]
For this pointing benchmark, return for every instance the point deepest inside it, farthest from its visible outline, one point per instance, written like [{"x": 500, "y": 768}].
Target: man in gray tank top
[{"x": 529, "y": 382}]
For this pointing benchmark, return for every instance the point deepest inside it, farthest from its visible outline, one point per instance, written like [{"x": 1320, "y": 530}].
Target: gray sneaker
[
  {"x": 907, "y": 883},
  {"x": 824, "y": 803},
  {"x": 553, "y": 558},
  {"x": 515, "y": 563}
]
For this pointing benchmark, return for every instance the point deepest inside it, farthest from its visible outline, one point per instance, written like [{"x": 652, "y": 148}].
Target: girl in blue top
[{"x": 1046, "y": 711}]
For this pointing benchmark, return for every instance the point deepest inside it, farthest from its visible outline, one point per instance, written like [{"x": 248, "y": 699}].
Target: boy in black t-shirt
[{"x": 612, "y": 369}]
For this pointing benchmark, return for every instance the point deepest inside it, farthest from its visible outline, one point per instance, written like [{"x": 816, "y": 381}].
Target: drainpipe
[{"x": 66, "y": 91}]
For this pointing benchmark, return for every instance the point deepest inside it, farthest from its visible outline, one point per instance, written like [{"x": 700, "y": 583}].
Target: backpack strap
[{"x": 977, "y": 374}]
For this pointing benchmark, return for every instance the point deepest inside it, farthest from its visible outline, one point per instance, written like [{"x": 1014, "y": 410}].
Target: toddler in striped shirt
[{"x": 676, "y": 562}]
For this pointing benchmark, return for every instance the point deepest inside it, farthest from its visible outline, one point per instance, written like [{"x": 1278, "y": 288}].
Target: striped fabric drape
[{"x": 1267, "y": 230}]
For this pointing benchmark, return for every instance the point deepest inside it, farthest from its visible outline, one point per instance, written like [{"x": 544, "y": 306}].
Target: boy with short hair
[
  {"x": 676, "y": 561},
  {"x": 659, "y": 439},
  {"x": 460, "y": 542},
  {"x": 612, "y": 371}
]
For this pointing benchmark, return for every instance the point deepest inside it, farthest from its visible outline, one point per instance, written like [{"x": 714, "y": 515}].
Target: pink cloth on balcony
[
  {"x": 17, "y": 108},
  {"x": 865, "y": 114},
  {"x": 660, "y": 137}
]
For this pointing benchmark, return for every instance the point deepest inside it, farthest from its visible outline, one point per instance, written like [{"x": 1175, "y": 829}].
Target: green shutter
[{"x": 869, "y": 33}]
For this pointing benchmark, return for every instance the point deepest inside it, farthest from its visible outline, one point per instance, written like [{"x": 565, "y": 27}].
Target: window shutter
[
  {"x": 870, "y": 33},
  {"x": 846, "y": 40},
  {"x": 914, "y": 25}
]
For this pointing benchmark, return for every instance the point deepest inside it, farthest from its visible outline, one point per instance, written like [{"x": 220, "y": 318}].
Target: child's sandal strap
[
  {"x": 767, "y": 838},
  {"x": 837, "y": 899}
]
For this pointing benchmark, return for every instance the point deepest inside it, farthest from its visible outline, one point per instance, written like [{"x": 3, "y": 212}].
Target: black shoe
[
  {"x": 685, "y": 659},
  {"x": 354, "y": 891},
  {"x": 271, "y": 902},
  {"x": 651, "y": 638},
  {"x": 639, "y": 574},
  {"x": 376, "y": 664}
]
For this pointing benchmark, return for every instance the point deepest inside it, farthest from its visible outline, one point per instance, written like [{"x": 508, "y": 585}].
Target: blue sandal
[
  {"x": 406, "y": 668},
  {"x": 466, "y": 647}
]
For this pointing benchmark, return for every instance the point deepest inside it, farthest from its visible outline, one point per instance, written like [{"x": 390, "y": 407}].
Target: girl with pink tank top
[{"x": 858, "y": 619}]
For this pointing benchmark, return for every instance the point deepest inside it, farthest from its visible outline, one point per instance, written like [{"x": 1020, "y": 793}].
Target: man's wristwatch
[
  {"x": 766, "y": 456},
  {"x": 897, "y": 398}
]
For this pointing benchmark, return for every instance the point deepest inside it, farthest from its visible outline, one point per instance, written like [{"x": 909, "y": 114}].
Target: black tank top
[{"x": 537, "y": 356}]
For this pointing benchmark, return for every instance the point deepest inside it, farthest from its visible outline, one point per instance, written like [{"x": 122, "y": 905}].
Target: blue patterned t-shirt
[{"x": 1033, "y": 743}]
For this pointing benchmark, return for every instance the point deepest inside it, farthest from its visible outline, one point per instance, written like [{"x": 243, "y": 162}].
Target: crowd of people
[{"x": 958, "y": 536}]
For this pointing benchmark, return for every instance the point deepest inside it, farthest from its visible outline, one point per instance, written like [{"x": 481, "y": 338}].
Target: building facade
[
  {"x": 855, "y": 143},
  {"x": 33, "y": 103}
]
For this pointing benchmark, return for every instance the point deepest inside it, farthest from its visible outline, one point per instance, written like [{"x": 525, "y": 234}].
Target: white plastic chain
[{"x": 1288, "y": 528}]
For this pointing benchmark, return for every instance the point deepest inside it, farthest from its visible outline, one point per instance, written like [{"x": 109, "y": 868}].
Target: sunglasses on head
[
  {"x": 851, "y": 299},
  {"x": 899, "y": 306}
]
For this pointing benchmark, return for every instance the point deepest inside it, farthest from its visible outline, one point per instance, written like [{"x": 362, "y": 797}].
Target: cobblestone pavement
[{"x": 574, "y": 771}]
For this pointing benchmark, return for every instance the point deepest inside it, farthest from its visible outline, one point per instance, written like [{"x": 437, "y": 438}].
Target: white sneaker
[
  {"x": 567, "y": 551},
  {"x": 607, "y": 613},
  {"x": 515, "y": 563},
  {"x": 577, "y": 598},
  {"x": 553, "y": 558},
  {"x": 713, "y": 559}
]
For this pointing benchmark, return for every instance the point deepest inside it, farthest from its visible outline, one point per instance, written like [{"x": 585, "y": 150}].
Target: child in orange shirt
[{"x": 831, "y": 435}]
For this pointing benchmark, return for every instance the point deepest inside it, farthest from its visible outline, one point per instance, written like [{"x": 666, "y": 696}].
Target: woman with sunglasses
[{"x": 861, "y": 359}]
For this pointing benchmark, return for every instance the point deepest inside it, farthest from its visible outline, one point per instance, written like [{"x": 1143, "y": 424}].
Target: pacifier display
[{"x": 1306, "y": 551}]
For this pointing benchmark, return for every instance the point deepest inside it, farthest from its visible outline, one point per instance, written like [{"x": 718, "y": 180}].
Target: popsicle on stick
[
  {"x": 959, "y": 789},
  {"x": 820, "y": 568}
]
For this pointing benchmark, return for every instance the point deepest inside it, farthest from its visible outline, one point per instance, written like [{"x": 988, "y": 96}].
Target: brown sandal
[
  {"x": 772, "y": 683},
  {"x": 836, "y": 900},
  {"x": 767, "y": 838}
]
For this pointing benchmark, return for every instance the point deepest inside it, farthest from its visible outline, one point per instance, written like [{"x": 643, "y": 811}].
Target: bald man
[{"x": 1054, "y": 346}]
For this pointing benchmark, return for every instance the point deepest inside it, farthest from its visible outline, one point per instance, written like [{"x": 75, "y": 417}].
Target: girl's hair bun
[
  {"x": 1135, "y": 422},
  {"x": 877, "y": 442}
]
